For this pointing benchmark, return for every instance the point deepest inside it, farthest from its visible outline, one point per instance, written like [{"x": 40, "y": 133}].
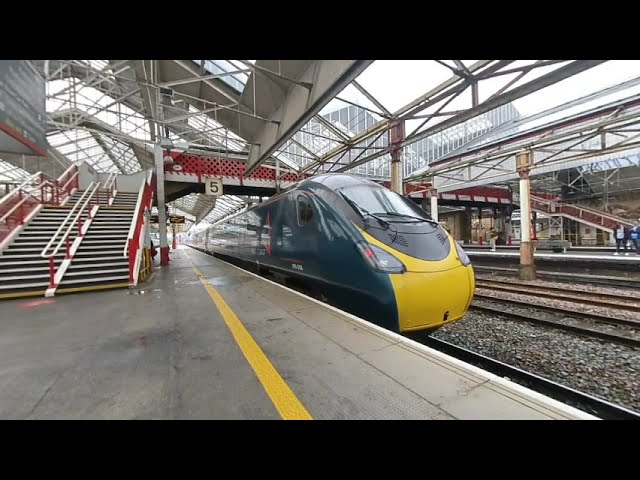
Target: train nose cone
[{"x": 427, "y": 300}]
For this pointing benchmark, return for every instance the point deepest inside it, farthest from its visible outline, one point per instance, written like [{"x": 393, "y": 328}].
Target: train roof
[{"x": 336, "y": 181}]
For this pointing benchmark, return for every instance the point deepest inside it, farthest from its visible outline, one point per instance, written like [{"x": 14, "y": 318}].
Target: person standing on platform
[
  {"x": 493, "y": 237},
  {"x": 634, "y": 235},
  {"x": 621, "y": 240}
]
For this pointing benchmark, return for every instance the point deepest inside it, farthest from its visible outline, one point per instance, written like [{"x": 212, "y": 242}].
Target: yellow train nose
[{"x": 428, "y": 300}]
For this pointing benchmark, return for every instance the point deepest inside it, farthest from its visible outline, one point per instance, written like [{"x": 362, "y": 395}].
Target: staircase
[
  {"x": 23, "y": 271},
  {"x": 99, "y": 262},
  {"x": 100, "y": 252},
  {"x": 125, "y": 199},
  {"x": 589, "y": 216}
]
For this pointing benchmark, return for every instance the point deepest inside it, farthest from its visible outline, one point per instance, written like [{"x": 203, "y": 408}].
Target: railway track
[
  {"x": 588, "y": 403},
  {"x": 580, "y": 329},
  {"x": 623, "y": 302},
  {"x": 604, "y": 280}
]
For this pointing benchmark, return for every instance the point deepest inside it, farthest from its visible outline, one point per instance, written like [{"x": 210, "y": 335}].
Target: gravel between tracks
[
  {"x": 578, "y": 287},
  {"x": 600, "y": 368},
  {"x": 557, "y": 303}
]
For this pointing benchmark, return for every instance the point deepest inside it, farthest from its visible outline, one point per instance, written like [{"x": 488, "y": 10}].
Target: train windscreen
[{"x": 381, "y": 200}]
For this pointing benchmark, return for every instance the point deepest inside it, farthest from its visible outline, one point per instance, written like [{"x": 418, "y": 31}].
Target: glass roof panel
[
  {"x": 213, "y": 132},
  {"x": 11, "y": 173},
  {"x": 237, "y": 81}
]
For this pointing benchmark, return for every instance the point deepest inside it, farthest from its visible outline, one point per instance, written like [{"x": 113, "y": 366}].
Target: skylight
[{"x": 237, "y": 81}]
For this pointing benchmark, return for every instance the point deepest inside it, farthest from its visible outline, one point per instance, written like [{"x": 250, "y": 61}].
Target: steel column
[
  {"x": 434, "y": 203},
  {"x": 396, "y": 135},
  {"x": 162, "y": 214},
  {"x": 524, "y": 161}
]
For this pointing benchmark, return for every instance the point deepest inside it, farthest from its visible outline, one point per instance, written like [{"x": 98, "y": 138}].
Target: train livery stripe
[{"x": 288, "y": 405}]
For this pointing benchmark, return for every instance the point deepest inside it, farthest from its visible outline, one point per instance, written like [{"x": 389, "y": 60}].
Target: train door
[
  {"x": 282, "y": 221},
  {"x": 306, "y": 232}
]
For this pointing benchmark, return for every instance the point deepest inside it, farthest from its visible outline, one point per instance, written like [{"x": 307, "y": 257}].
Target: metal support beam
[
  {"x": 434, "y": 203},
  {"x": 527, "y": 271},
  {"x": 533, "y": 86},
  {"x": 396, "y": 135},
  {"x": 328, "y": 78},
  {"x": 162, "y": 215}
]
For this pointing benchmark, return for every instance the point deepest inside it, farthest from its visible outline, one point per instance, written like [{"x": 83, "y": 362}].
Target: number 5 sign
[{"x": 213, "y": 186}]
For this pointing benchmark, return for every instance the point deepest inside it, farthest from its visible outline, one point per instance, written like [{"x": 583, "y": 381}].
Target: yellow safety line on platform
[
  {"x": 92, "y": 288},
  {"x": 288, "y": 405},
  {"x": 22, "y": 294}
]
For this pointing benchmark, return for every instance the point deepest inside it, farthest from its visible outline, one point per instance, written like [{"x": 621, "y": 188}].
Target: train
[{"x": 353, "y": 244}]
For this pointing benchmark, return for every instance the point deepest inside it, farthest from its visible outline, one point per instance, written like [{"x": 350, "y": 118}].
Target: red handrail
[
  {"x": 37, "y": 190},
  {"x": 145, "y": 200}
]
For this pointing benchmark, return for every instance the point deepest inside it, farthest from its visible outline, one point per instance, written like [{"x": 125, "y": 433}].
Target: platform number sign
[{"x": 213, "y": 186}]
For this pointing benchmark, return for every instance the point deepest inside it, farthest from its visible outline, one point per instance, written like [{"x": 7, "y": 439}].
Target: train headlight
[
  {"x": 380, "y": 259},
  {"x": 462, "y": 255}
]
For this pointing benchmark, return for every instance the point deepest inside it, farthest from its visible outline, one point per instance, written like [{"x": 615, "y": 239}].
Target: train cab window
[{"x": 305, "y": 211}]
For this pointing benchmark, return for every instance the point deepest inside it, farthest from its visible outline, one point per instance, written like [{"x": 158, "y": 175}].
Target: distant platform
[{"x": 588, "y": 256}]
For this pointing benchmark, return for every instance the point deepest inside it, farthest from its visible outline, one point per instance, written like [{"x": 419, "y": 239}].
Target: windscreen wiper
[
  {"x": 362, "y": 212},
  {"x": 396, "y": 214}
]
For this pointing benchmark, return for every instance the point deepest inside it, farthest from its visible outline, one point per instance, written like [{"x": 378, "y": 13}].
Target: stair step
[
  {"x": 119, "y": 227},
  {"x": 11, "y": 248},
  {"x": 113, "y": 278},
  {"x": 86, "y": 265},
  {"x": 83, "y": 261},
  {"x": 114, "y": 214},
  {"x": 64, "y": 213},
  {"x": 89, "y": 273},
  {"x": 115, "y": 226},
  {"x": 22, "y": 278},
  {"x": 46, "y": 224},
  {"x": 126, "y": 225},
  {"x": 101, "y": 244},
  {"x": 23, "y": 259},
  {"x": 117, "y": 235},
  {"x": 109, "y": 233},
  {"x": 42, "y": 268},
  {"x": 26, "y": 285},
  {"x": 30, "y": 244},
  {"x": 95, "y": 254}
]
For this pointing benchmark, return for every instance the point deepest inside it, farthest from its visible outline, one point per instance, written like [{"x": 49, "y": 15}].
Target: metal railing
[
  {"x": 588, "y": 215},
  {"x": 108, "y": 188},
  {"x": 16, "y": 206},
  {"x": 68, "y": 181},
  {"x": 135, "y": 236},
  {"x": 111, "y": 183},
  {"x": 77, "y": 210}
]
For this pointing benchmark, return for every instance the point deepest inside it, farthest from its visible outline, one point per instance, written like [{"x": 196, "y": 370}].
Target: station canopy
[{"x": 111, "y": 113}]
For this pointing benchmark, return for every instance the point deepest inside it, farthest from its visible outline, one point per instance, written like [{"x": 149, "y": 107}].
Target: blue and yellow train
[{"x": 356, "y": 245}]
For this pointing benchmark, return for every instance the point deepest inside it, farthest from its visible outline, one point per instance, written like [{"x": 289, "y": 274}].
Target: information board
[{"x": 22, "y": 108}]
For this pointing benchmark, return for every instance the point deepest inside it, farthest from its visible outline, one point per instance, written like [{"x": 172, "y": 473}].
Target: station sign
[
  {"x": 23, "y": 118},
  {"x": 172, "y": 219},
  {"x": 213, "y": 186}
]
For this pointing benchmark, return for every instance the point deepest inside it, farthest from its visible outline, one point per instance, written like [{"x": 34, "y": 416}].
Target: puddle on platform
[{"x": 227, "y": 280}]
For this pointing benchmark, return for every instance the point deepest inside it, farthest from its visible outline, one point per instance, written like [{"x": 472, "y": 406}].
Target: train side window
[{"x": 305, "y": 211}]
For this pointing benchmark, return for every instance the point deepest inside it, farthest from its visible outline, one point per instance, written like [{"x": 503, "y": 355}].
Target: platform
[
  {"x": 588, "y": 256},
  {"x": 206, "y": 340}
]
